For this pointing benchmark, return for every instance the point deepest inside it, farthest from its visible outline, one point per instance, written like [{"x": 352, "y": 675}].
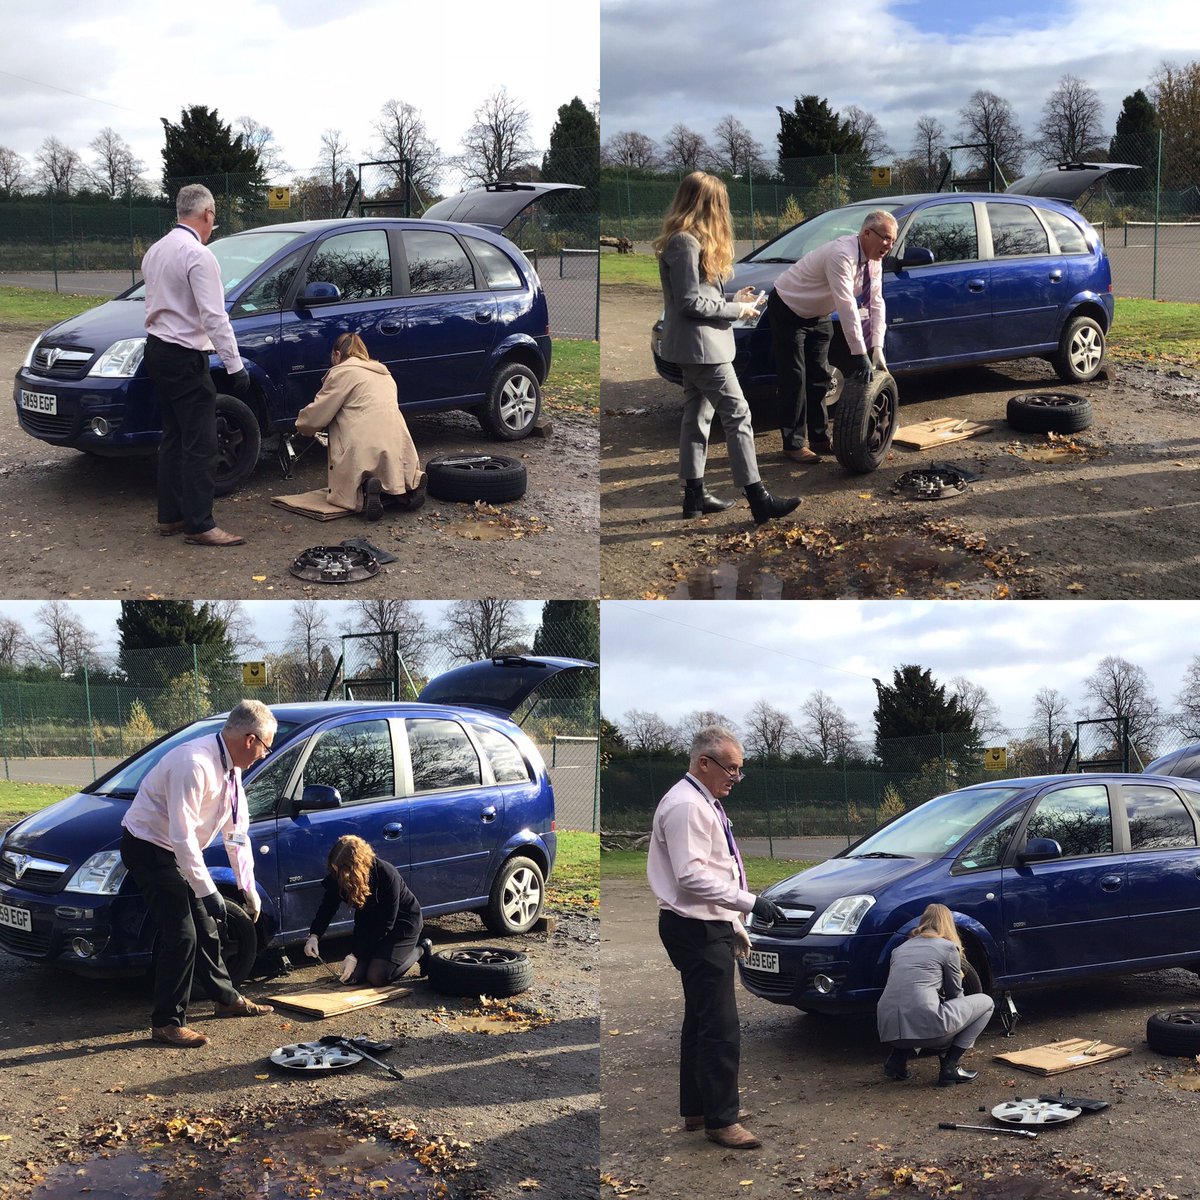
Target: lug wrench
[{"x": 1025, "y": 1133}]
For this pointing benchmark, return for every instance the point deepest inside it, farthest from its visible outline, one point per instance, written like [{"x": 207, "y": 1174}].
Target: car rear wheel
[
  {"x": 1080, "y": 351},
  {"x": 516, "y": 898},
  {"x": 1049, "y": 412},
  {"x": 865, "y": 422},
  {"x": 239, "y": 440},
  {"x": 513, "y": 404}
]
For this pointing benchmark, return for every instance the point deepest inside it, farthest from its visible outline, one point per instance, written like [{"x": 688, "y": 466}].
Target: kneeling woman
[
  {"x": 371, "y": 454},
  {"x": 923, "y": 1006},
  {"x": 387, "y": 917}
]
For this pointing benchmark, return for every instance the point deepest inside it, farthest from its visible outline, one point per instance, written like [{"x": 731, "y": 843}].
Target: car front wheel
[
  {"x": 239, "y": 440},
  {"x": 516, "y": 899},
  {"x": 1080, "y": 351},
  {"x": 514, "y": 403}
]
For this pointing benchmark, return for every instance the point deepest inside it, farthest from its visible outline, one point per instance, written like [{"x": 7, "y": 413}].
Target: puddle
[
  {"x": 286, "y": 1160},
  {"x": 873, "y": 569},
  {"x": 493, "y": 1016}
]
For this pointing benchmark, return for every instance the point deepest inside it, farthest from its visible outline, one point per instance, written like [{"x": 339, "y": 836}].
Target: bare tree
[
  {"x": 973, "y": 698},
  {"x": 1050, "y": 708},
  {"x": 16, "y": 648},
  {"x": 985, "y": 118},
  {"x": 701, "y": 718},
  {"x": 332, "y": 164},
  {"x": 478, "y": 629},
  {"x": 929, "y": 147},
  {"x": 114, "y": 170},
  {"x": 648, "y": 733},
  {"x": 1175, "y": 90},
  {"x": 770, "y": 732},
  {"x": 14, "y": 172},
  {"x": 380, "y": 618},
  {"x": 59, "y": 167},
  {"x": 1119, "y": 688},
  {"x": 309, "y": 639},
  {"x": 498, "y": 142},
  {"x": 1188, "y": 700},
  {"x": 874, "y": 140},
  {"x": 261, "y": 139},
  {"x": 1069, "y": 130},
  {"x": 685, "y": 150},
  {"x": 238, "y": 625},
  {"x": 630, "y": 149},
  {"x": 67, "y": 644},
  {"x": 402, "y": 135},
  {"x": 733, "y": 146},
  {"x": 825, "y": 730}
]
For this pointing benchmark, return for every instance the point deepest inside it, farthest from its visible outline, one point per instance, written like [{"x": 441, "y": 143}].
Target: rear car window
[
  {"x": 1016, "y": 231},
  {"x": 436, "y": 263},
  {"x": 508, "y": 766},
  {"x": 1158, "y": 819},
  {"x": 1069, "y": 236},
  {"x": 499, "y": 272},
  {"x": 442, "y": 755}
]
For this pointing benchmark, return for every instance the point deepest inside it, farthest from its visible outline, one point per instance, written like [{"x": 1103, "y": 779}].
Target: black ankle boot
[
  {"x": 896, "y": 1064},
  {"x": 426, "y": 954},
  {"x": 951, "y": 1072},
  {"x": 698, "y": 500},
  {"x": 765, "y": 507}
]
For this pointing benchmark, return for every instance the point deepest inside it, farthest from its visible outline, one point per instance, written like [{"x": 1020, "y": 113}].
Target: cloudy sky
[
  {"x": 897, "y": 59},
  {"x": 298, "y": 66},
  {"x": 673, "y": 657}
]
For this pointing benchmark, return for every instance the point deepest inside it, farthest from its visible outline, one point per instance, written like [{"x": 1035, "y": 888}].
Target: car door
[
  {"x": 942, "y": 312},
  {"x": 1028, "y": 281},
  {"x": 1067, "y": 912}
]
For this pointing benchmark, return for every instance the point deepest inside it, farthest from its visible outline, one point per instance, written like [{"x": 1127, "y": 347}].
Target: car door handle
[
  {"x": 1056, "y": 276},
  {"x": 483, "y": 315},
  {"x": 393, "y": 831},
  {"x": 975, "y": 285},
  {"x": 488, "y": 815},
  {"x": 1110, "y": 883},
  {"x": 390, "y": 326}
]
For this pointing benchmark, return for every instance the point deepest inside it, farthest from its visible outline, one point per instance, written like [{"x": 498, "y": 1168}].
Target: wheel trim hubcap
[
  {"x": 518, "y": 402},
  {"x": 1085, "y": 350},
  {"x": 521, "y": 897}
]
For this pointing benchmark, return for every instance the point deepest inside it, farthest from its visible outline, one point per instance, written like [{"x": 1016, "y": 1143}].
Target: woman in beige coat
[{"x": 371, "y": 455}]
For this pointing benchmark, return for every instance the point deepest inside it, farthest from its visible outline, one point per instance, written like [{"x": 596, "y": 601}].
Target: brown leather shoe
[
  {"x": 170, "y": 528},
  {"x": 177, "y": 1035},
  {"x": 733, "y": 1137},
  {"x": 242, "y": 1007},
  {"x": 822, "y": 446},
  {"x": 692, "y": 1124},
  {"x": 801, "y": 455},
  {"x": 214, "y": 537}
]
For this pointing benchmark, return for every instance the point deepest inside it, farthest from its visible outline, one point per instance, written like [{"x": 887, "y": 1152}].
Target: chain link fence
[{"x": 782, "y": 801}]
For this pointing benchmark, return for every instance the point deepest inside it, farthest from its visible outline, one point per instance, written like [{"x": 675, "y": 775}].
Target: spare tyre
[
  {"x": 1176, "y": 1033},
  {"x": 864, "y": 422},
  {"x": 470, "y": 477},
  {"x": 480, "y": 971},
  {"x": 1049, "y": 412}
]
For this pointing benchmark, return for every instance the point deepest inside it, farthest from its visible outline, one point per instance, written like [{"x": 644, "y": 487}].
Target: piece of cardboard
[
  {"x": 937, "y": 432},
  {"x": 333, "y": 1001},
  {"x": 1056, "y": 1057}
]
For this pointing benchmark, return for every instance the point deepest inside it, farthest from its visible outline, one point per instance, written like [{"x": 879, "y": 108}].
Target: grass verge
[
  {"x": 1155, "y": 331},
  {"x": 17, "y": 799},
  {"x": 629, "y": 268},
  {"x": 631, "y": 864},
  {"x": 27, "y": 307},
  {"x": 575, "y": 883},
  {"x": 574, "y": 383}
]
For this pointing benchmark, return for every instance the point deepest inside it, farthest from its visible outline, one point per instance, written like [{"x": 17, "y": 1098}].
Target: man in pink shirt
[
  {"x": 185, "y": 321},
  {"x": 696, "y": 872},
  {"x": 842, "y": 276}
]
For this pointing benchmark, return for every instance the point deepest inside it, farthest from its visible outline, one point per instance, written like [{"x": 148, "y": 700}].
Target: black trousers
[
  {"x": 188, "y": 941},
  {"x": 187, "y": 455},
  {"x": 801, "y": 349},
  {"x": 710, "y": 1042}
]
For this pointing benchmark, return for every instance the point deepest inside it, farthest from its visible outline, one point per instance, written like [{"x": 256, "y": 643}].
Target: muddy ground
[
  {"x": 831, "y": 1122},
  {"x": 1110, "y": 514},
  {"x": 83, "y": 1080},
  {"x": 81, "y": 527}
]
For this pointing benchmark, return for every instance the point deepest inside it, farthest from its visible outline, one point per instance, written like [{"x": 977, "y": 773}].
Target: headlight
[
  {"x": 121, "y": 359},
  {"x": 28, "y": 362},
  {"x": 101, "y": 875},
  {"x": 844, "y": 915}
]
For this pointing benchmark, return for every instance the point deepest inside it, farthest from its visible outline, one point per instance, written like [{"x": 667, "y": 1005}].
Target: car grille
[
  {"x": 57, "y": 363},
  {"x": 46, "y": 876},
  {"x": 45, "y": 425},
  {"x": 770, "y": 984},
  {"x": 796, "y": 925}
]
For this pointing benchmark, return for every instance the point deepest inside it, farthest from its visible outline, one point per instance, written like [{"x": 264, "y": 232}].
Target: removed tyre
[
  {"x": 470, "y": 477},
  {"x": 1176, "y": 1033},
  {"x": 516, "y": 898},
  {"x": 239, "y": 440},
  {"x": 864, "y": 422},
  {"x": 480, "y": 971},
  {"x": 1049, "y": 412},
  {"x": 1080, "y": 351},
  {"x": 513, "y": 404}
]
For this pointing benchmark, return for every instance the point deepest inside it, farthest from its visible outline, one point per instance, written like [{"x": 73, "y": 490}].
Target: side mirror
[
  {"x": 317, "y": 796},
  {"x": 914, "y": 256},
  {"x": 1039, "y": 850},
  {"x": 319, "y": 293}
]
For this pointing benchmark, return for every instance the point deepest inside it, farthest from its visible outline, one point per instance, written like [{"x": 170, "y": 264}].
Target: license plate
[
  {"x": 16, "y": 918},
  {"x": 39, "y": 402},
  {"x": 763, "y": 960}
]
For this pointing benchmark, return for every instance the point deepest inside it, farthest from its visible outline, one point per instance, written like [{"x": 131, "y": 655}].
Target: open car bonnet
[
  {"x": 494, "y": 205},
  {"x": 1067, "y": 181}
]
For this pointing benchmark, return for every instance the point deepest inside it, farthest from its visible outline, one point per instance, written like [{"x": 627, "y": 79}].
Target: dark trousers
[
  {"x": 710, "y": 1042},
  {"x": 187, "y": 455},
  {"x": 801, "y": 349},
  {"x": 389, "y": 959},
  {"x": 188, "y": 941}
]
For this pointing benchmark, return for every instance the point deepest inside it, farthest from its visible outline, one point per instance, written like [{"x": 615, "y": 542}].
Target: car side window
[
  {"x": 948, "y": 230},
  {"x": 267, "y": 294},
  {"x": 1068, "y": 235},
  {"x": 508, "y": 765},
  {"x": 1077, "y": 818},
  {"x": 436, "y": 263},
  {"x": 1016, "y": 231},
  {"x": 264, "y": 790},
  {"x": 442, "y": 755},
  {"x": 989, "y": 848},
  {"x": 356, "y": 758},
  {"x": 1158, "y": 819},
  {"x": 498, "y": 269},
  {"x": 358, "y": 263}
]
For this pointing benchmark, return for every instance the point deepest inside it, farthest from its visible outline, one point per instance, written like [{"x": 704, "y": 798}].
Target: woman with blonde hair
[
  {"x": 923, "y": 1006},
  {"x": 387, "y": 916},
  {"x": 695, "y": 257},
  {"x": 372, "y": 458}
]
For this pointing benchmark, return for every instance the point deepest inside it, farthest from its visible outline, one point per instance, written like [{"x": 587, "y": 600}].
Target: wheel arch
[
  {"x": 523, "y": 350},
  {"x": 1088, "y": 306}
]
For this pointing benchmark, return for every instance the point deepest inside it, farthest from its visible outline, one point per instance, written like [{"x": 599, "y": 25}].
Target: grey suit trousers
[{"x": 710, "y": 388}]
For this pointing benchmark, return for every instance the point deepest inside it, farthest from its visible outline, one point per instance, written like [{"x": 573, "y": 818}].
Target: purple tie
[{"x": 728, "y": 827}]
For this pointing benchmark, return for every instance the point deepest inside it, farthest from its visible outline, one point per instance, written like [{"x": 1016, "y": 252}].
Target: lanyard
[
  {"x": 231, "y": 779},
  {"x": 727, "y": 826}
]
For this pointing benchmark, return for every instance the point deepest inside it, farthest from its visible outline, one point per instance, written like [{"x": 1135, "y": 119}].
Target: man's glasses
[
  {"x": 266, "y": 746},
  {"x": 886, "y": 238},
  {"x": 734, "y": 773}
]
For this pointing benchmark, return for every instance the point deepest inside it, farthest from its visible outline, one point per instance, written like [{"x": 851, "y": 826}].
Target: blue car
[
  {"x": 1051, "y": 879},
  {"x": 448, "y": 789},
  {"x": 455, "y": 310}
]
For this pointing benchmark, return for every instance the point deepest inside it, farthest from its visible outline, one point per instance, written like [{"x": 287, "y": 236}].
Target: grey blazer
[
  {"x": 697, "y": 319},
  {"x": 911, "y": 1010}
]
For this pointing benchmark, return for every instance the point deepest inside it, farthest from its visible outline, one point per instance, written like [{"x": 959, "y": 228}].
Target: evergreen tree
[
  {"x": 574, "y": 154},
  {"x": 571, "y": 629},
  {"x": 812, "y": 128},
  {"x": 202, "y": 145},
  {"x": 1136, "y": 142},
  {"x": 915, "y": 707},
  {"x": 148, "y": 625}
]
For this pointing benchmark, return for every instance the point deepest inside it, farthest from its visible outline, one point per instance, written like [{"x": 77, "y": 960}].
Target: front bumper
[
  {"x": 820, "y": 973},
  {"x": 126, "y": 406}
]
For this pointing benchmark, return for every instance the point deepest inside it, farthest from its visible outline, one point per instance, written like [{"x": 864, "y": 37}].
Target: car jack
[{"x": 1008, "y": 1014}]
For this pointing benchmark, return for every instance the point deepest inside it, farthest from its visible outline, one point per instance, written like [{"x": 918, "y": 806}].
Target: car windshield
[
  {"x": 936, "y": 826},
  {"x": 808, "y": 235},
  {"x": 239, "y": 256}
]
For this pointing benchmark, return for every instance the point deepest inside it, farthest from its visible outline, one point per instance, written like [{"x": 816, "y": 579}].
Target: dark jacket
[{"x": 390, "y": 916}]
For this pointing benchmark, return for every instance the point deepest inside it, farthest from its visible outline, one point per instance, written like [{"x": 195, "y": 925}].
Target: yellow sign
[
  {"x": 254, "y": 674},
  {"x": 279, "y": 198},
  {"x": 995, "y": 758},
  {"x": 881, "y": 176}
]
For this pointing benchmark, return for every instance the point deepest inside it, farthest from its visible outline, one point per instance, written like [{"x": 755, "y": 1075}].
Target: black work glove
[
  {"x": 767, "y": 911},
  {"x": 860, "y": 368},
  {"x": 214, "y": 905},
  {"x": 239, "y": 382}
]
